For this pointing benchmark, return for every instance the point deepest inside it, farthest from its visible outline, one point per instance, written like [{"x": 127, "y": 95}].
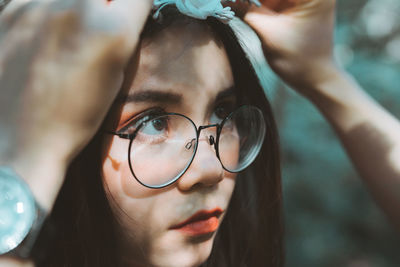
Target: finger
[
  {"x": 130, "y": 15},
  {"x": 3, "y": 4},
  {"x": 280, "y": 6},
  {"x": 272, "y": 4},
  {"x": 16, "y": 9},
  {"x": 133, "y": 12},
  {"x": 242, "y": 8},
  {"x": 23, "y": 16},
  {"x": 269, "y": 26}
]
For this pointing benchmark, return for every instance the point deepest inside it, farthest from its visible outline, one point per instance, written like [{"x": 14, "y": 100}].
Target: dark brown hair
[{"x": 252, "y": 231}]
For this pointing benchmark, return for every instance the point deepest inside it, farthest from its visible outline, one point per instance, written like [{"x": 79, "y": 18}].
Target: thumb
[
  {"x": 133, "y": 13},
  {"x": 266, "y": 23},
  {"x": 130, "y": 17}
]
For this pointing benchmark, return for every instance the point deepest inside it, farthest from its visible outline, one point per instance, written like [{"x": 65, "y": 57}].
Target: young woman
[
  {"x": 168, "y": 179},
  {"x": 115, "y": 218},
  {"x": 147, "y": 209}
]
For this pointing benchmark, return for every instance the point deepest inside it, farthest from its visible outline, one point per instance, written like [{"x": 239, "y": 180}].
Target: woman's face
[{"x": 185, "y": 70}]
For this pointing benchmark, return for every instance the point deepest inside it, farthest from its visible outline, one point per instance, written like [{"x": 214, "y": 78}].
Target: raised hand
[
  {"x": 297, "y": 36},
  {"x": 61, "y": 65}
]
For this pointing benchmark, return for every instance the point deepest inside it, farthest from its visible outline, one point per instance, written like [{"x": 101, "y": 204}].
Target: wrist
[
  {"x": 308, "y": 77},
  {"x": 340, "y": 99},
  {"x": 331, "y": 82},
  {"x": 12, "y": 262},
  {"x": 37, "y": 171},
  {"x": 336, "y": 88}
]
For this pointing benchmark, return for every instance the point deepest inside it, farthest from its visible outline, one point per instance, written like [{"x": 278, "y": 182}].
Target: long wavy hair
[{"x": 251, "y": 233}]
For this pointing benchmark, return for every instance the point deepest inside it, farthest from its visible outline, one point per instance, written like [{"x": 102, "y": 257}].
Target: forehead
[{"x": 183, "y": 57}]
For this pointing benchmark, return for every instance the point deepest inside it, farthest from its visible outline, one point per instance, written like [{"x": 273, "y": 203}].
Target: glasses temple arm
[{"x": 121, "y": 135}]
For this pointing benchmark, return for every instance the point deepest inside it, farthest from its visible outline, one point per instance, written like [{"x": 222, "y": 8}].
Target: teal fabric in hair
[
  {"x": 248, "y": 39},
  {"x": 200, "y": 9}
]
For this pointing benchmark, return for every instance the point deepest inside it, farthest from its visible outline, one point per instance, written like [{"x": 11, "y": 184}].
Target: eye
[
  {"x": 222, "y": 111},
  {"x": 145, "y": 122},
  {"x": 155, "y": 126}
]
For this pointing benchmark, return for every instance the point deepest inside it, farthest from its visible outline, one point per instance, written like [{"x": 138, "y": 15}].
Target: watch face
[{"x": 17, "y": 210}]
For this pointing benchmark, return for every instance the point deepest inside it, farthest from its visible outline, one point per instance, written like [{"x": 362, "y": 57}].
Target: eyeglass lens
[{"x": 164, "y": 147}]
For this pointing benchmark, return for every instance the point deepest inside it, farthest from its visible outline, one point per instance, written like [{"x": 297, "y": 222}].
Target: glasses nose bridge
[
  {"x": 202, "y": 127},
  {"x": 211, "y": 139}
]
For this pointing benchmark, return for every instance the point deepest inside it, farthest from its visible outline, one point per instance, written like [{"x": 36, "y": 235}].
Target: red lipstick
[{"x": 200, "y": 223}]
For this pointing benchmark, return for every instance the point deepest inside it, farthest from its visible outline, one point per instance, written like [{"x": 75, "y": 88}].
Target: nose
[{"x": 205, "y": 170}]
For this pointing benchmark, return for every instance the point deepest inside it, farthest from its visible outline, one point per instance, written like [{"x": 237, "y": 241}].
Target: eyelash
[
  {"x": 228, "y": 105},
  {"x": 145, "y": 116},
  {"x": 130, "y": 127}
]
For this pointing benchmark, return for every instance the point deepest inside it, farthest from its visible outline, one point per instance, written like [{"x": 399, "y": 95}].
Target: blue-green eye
[
  {"x": 146, "y": 119},
  {"x": 221, "y": 112},
  {"x": 155, "y": 126}
]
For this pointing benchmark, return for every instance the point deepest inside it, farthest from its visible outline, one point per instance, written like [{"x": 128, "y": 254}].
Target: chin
[{"x": 189, "y": 255}]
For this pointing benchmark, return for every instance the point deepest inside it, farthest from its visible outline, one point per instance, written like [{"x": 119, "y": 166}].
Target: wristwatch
[{"x": 21, "y": 217}]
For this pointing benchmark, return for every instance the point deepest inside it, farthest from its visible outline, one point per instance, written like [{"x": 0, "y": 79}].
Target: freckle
[{"x": 115, "y": 164}]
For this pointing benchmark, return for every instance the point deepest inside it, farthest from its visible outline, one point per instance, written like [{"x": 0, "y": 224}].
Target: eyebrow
[
  {"x": 151, "y": 96},
  {"x": 154, "y": 96},
  {"x": 229, "y": 92}
]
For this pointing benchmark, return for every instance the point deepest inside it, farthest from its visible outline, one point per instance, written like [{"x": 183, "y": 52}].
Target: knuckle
[
  {"x": 67, "y": 17},
  {"x": 118, "y": 47},
  {"x": 17, "y": 10},
  {"x": 113, "y": 35}
]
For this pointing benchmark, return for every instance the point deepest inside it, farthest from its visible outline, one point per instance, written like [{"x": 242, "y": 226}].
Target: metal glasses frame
[{"x": 211, "y": 140}]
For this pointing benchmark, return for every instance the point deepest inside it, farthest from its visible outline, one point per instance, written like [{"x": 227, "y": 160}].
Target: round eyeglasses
[{"x": 162, "y": 147}]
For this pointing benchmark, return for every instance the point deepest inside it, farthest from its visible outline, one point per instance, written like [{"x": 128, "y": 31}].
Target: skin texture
[{"x": 174, "y": 61}]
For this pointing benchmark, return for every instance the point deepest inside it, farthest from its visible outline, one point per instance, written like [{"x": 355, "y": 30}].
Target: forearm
[
  {"x": 43, "y": 174},
  {"x": 370, "y": 135},
  {"x": 9, "y": 262}
]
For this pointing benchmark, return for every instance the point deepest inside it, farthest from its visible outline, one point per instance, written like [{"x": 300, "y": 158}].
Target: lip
[{"x": 201, "y": 223}]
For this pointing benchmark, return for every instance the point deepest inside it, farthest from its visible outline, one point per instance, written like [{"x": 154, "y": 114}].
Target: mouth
[{"x": 201, "y": 223}]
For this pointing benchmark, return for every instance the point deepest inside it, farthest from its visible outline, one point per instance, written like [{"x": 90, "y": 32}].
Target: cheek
[
  {"x": 227, "y": 185},
  {"x": 130, "y": 200},
  {"x": 116, "y": 172},
  {"x": 155, "y": 165},
  {"x": 229, "y": 150},
  {"x": 147, "y": 214}
]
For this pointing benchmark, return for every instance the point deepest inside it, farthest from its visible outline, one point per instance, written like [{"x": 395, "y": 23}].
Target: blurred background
[{"x": 331, "y": 220}]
